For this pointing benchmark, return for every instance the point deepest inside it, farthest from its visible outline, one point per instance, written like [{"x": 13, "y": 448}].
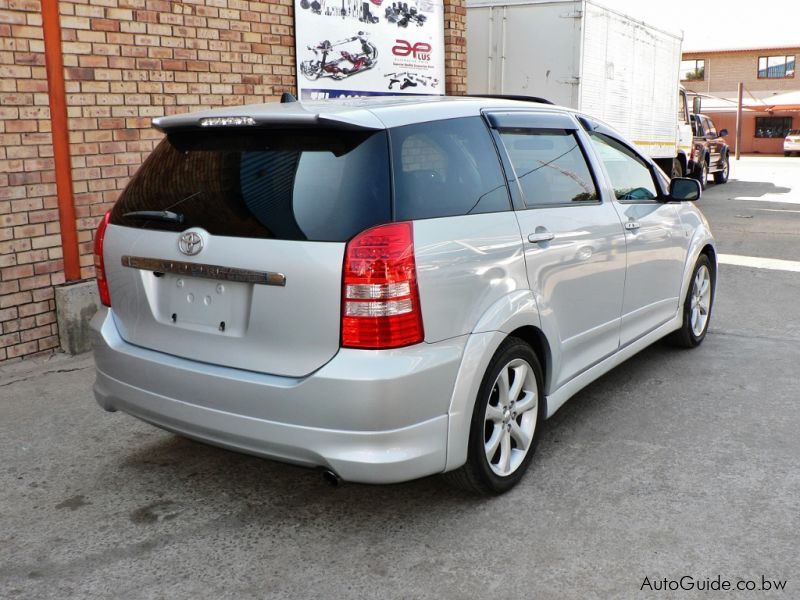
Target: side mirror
[
  {"x": 723, "y": 133},
  {"x": 682, "y": 189}
]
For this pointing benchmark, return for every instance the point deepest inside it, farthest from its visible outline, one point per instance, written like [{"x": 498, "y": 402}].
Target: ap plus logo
[{"x": 419, "y": 51}]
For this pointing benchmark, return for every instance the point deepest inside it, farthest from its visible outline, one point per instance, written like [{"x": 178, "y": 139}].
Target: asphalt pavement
[{"x": 676, "y": 464}]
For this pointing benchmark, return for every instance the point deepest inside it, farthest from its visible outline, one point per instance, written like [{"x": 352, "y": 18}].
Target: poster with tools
[{"x": 352, "y": 48}]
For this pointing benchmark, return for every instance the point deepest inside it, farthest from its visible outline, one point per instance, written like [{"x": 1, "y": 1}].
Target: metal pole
[
  {"x": 739, "y": 120},
  {"x": 54, "y": 62}
]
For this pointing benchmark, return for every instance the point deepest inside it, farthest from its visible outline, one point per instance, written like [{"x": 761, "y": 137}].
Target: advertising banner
[{"x": 350, "y": 48}]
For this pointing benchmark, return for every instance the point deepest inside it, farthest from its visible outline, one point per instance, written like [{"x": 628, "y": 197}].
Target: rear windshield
[{"x": 289, "y": 185}]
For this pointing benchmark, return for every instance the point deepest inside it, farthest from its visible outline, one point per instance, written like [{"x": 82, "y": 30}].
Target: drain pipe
[{"x": 54, "y": 61}]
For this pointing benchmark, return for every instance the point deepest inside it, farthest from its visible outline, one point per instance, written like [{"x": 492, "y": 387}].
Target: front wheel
[
  {"x": 697, "y": 306},
  {"x": 701, "y": 174},
  {"x": 722, "y": 176},
  {"x": 506, "y": 421}
]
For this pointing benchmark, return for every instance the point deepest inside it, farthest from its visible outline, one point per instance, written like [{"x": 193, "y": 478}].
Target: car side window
[
  {"x": 630, "y": 176},
  {"x": 697, "y": 130},
  {"x": 550, "y": 167},
  {"x": 446, "y": 168},
  {"x": 708, "y": 125}
]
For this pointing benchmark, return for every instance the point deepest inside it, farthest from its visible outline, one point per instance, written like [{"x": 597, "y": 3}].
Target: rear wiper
[{"x": 155, "y": 215}]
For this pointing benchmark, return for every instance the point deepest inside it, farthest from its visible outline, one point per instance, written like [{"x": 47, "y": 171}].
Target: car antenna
[{"x": 287, "y": 97}]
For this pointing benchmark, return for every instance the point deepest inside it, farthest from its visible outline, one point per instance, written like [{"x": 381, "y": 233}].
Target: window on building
[
  {"x": 776, "y": 67},
  {"x": 693, "y": 70},
  {"x": 773, "y": 127}
]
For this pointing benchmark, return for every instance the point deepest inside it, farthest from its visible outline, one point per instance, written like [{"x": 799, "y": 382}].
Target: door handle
[
  {"x": 632, "y": 226},
  {"x": 541, "y": 236}
]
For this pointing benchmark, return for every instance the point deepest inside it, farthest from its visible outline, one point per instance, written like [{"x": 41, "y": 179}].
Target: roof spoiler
[
  {"x": 536, "y": 99},
  {"x": 286, "y": 115}
]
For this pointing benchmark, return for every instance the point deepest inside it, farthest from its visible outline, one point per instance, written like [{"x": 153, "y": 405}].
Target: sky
[{"x": 711, "y": 25}]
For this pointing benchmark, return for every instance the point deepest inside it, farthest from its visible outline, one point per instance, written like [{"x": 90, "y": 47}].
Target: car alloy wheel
[
  {"x": 700, "y": 301},
  {"x": 510, "y": 417},
  {"x": 506, "y": 421}
]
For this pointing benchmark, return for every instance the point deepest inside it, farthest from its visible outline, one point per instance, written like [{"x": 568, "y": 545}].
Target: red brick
[
  {"x": 49, "y": 342},
  {"x": 35, "y": 333},
  {"x": 18, "y": 272},
  {"x": 8, "y": 314},
  {"x": 29, "y": 309},
  {"x": 80, "y": 73},
  {"x": 105, "y": 25},
  {"x": 17, "y": 299},
  {"x": 22, "y": 349},
  {"x": 9, "y": 287},
  {"x": 38, "y": 281}
]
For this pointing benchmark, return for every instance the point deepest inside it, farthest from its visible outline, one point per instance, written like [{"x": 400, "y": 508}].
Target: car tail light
[
  {"x": 99, "y": 263},
  {"x": 380, "y": 297}
]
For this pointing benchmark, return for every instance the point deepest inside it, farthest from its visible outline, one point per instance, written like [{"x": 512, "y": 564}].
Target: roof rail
[{"x": 512, "y": 97}]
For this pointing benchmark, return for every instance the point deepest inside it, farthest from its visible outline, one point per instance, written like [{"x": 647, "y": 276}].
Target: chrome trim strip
[{"x": 178, "y": 267}]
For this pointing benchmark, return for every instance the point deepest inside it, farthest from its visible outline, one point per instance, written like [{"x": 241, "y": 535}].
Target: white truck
[{"x": 579, "y": 54}]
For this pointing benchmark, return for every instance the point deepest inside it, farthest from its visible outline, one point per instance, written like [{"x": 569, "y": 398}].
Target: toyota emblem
[{"x": 190, "y": 243}]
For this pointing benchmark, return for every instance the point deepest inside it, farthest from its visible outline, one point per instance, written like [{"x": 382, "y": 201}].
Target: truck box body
[{"x": 578, "y": 54}]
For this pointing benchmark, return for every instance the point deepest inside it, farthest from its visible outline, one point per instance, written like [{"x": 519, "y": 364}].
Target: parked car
[
  {"x": 386, "y": 289},
  {"x": 791, "y": 143},
  {"x": 710, "y": 153}
]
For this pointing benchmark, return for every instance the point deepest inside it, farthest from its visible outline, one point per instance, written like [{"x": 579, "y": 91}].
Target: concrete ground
[{"x": 678, "y": 463}]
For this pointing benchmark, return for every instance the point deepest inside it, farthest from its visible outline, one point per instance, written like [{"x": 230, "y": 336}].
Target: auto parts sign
[{"x": 351, "y": 48}]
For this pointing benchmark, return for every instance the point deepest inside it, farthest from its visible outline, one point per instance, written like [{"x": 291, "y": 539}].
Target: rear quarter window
[{"x": 446, "y": 168}]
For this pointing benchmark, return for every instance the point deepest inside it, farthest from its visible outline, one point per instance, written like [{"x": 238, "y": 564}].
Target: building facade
[
  {"x": 125, "y": 62},
  {"x": 771, "y": 96}
]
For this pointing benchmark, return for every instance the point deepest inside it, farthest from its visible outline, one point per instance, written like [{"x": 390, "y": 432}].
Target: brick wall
[
  {"x": 455, "y": 29},
  {"x": 724, "y": 71},
  {"x": 125, "y": 61},
  {"x": 30, "y": 252}
]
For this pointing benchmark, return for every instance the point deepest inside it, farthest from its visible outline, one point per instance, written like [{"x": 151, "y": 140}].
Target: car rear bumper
[
  {"x": 791, "y": 146},
  {"x": 369, "y": 416}
]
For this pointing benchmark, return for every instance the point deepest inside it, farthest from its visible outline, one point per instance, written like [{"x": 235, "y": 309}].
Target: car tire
[
  {"x": 509, "y": 411},
  {"x": 697, "y": 305},
  {"x": 722, "y": 175},
  {"x": 701, "y": 174}
]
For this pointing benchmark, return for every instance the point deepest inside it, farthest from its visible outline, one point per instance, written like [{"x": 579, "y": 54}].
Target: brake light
[
  {"x": 99, "y": 263},
  {"x": 380, "y": 297}
]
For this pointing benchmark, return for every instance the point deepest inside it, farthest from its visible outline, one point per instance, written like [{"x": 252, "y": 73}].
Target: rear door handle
[
  {"x": 632, "y": 225},
  {"x": 541, "y": 236}
]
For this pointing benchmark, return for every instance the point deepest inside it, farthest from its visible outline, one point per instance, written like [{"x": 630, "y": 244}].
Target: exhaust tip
[{"x": 331, "y": 478}]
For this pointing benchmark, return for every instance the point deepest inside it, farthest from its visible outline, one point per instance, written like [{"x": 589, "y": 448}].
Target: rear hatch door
[{"x": 226, "y": 247}]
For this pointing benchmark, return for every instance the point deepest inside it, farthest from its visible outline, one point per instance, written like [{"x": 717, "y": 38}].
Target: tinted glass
[
  {"x": 773, "y": 127},
  {"x": 446, "y": 168},
  {"x": 708, "y": 126},
  {"x": 629, "y": 174},
  {"x": 550, "y": 166},
  {"x": 290, "y": 185}
]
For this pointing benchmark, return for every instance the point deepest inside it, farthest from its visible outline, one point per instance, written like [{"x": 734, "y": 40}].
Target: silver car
[{"x": 385, "y": 289}]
